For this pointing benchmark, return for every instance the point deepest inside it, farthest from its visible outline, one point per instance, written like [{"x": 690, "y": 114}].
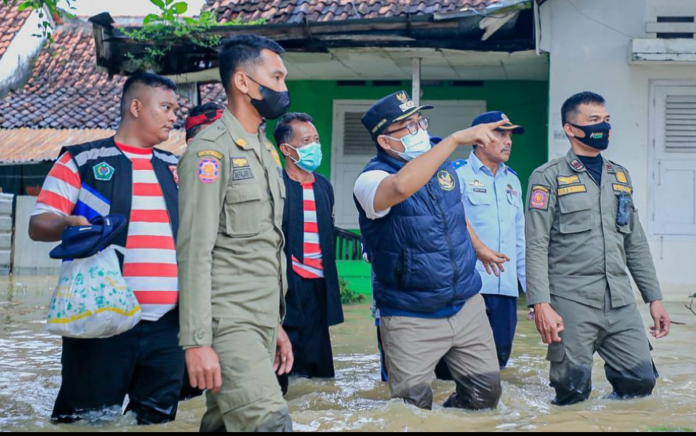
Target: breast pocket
[
  {"x": 479, "y": 196},
  {"x": 514, "y": 200},
  {"x": 577, "y": 214},
  {"x": 243, "y": 210}
]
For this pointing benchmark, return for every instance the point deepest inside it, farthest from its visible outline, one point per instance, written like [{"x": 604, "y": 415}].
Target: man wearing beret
[{"x": 425, "y": 285}]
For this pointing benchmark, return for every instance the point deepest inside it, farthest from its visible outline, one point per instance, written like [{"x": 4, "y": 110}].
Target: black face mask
[
  {"x": 596, "y": 135},
  {"x": 273, "y": 104}
]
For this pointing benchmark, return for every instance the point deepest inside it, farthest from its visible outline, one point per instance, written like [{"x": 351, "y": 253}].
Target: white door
[
  {"x": 353, "y": 147},
  {"x": 673, "y": 116}
]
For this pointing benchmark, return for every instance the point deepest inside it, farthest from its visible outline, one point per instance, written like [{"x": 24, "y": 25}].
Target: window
[{"x": 673, "y": 116}]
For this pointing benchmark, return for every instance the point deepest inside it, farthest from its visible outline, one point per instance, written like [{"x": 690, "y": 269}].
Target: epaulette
[
  {"x": 459, "y": 163},
  {"x": 212, "y": 133},
  {"x": 548, "y": 165}
]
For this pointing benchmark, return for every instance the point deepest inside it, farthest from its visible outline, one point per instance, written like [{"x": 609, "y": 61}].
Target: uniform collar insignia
[{"x": 577, "y": 165}]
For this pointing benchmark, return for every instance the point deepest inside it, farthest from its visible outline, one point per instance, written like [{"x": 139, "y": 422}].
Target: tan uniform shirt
[
  {"x": 230, "y": 245},
  {"x": 575, "y": 248}
]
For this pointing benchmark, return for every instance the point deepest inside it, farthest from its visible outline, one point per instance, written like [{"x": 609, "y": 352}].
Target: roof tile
[
  {"x": 66, "y": 91},
  {"x": 11, "y": 21},
  {"x": 295, "y": 11}
]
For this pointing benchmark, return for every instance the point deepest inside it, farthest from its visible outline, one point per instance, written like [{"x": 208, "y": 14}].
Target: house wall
[
  {"x": 15, "y": 65},
  {"x": 30, "y": 258},
  {"x": 525, "y": 102},
  {"x": 589, "y": 44}
]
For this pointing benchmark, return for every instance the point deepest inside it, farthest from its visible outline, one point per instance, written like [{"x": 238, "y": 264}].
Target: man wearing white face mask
[
  {"x": 313, "y": 299},
  {"x": 425, "y": 284}
]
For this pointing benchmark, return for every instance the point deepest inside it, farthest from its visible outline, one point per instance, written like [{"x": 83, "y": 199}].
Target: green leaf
[
  {"x": 169, "y": 2},
  {"x": 24, "y": 6},
  {"x": 150, "y": 18},
  {"x": 158, "y": 3},
  {"x": 180, "y": 8}
]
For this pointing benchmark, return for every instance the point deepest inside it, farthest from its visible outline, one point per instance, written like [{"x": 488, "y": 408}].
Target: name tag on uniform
[
  {"x": 241, "y": 170},
  {"x": 568, "y": 180},
  {"x": 623, "y": 188},
  {"x": 481, "y": 190},
  {"x": 572, "y": 190}
]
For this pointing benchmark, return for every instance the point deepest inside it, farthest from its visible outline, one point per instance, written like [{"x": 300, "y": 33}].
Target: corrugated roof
[
  {"x": 37, "y": 145},
  {"x": 11, "y": 22},
  {"x": 296, "y": 11}
]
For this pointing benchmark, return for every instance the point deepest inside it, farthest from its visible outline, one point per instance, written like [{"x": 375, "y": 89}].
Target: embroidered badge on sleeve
[{"x": 208, "y": 170}]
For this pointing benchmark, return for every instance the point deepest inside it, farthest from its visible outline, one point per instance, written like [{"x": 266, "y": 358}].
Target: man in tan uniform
[
  {"x": 230, "y": 248},
  {"x": 583, "y": 238}
]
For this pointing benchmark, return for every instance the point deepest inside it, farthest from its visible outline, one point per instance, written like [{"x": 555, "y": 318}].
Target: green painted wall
[{"x": 525, "y": 102}]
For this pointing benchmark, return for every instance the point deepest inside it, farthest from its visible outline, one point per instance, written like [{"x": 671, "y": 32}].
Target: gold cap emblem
[{"x": 402, "y": 97}]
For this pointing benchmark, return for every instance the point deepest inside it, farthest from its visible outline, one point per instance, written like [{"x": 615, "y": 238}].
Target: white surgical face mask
[{"x": 415, "y": 145}]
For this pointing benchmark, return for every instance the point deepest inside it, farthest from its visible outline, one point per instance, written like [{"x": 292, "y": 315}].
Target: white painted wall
[
  {"x": 21, "y": 51},
  {"x": 589, "y": 44}
]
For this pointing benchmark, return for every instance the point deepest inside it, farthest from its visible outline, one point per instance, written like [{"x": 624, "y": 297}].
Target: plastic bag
[{"x": 92, "y": 299}]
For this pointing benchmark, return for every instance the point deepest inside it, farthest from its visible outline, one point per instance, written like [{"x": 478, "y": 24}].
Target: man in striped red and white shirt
[
  {"x": 313, "y": 299},
  {"x": 125, "y": 175}
]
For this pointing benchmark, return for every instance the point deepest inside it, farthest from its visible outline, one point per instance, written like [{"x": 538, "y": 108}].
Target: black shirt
[{"x": 594, "y": 165}]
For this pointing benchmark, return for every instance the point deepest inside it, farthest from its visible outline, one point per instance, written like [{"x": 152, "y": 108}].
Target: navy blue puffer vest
[{"x": 421, "y": 252}]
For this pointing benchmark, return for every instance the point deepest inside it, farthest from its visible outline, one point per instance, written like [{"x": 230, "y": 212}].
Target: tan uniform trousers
[
  {"x": 250, "y": 399},
  {"x": 414, "y": 346}
]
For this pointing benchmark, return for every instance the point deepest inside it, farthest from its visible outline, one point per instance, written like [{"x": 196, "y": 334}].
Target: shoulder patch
[
  {"x": 539, "y": 198},
  {"x": 459, "y": 163},
  {"x": 208, "y": 171}
]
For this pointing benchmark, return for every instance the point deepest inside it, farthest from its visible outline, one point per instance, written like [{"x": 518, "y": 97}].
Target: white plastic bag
[{"x": 92, "y": 299}]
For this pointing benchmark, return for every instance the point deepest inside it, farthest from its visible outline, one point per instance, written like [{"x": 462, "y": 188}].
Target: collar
[
  {"x": 477, "y": 165},
  {"x": 574, "y": 162},
  {"x": 243, "y": 139}
]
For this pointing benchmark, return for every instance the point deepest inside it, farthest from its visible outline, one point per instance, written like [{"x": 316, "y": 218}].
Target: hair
[
  {"x": 149, "y": 80},
  {"x": 570, "y": 107},
  {"x": 284, "y": 132},
  {"x": 211, "y": 108},
  {"x": 243, "y": 50}
]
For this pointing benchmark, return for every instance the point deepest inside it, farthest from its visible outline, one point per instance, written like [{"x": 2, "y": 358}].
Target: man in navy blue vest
[{"x": 426, "y": 286}]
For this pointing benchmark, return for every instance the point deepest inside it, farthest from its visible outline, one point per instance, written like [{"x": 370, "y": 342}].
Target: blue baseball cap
[
  {"x": 496, "y": 116},
  {"x": 81, "y": 242},
  {"x": 389, "y": 110}
]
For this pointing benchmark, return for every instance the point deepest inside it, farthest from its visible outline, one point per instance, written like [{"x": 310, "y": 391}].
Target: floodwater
[{"x": 357, "y": 400}]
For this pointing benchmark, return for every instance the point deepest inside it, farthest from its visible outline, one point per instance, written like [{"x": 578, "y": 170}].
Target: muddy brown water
[{"x": 357, "y": 400}]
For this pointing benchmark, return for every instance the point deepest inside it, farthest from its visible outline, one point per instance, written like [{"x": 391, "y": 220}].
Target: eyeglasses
[{"x": 413, "y": 127}]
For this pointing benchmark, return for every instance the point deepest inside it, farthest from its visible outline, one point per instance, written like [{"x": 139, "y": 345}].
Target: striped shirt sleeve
[{"x": 61, "y": 189}]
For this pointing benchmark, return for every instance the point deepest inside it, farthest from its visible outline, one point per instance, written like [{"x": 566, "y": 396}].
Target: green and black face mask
[{"x": 596, "y": 135}]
